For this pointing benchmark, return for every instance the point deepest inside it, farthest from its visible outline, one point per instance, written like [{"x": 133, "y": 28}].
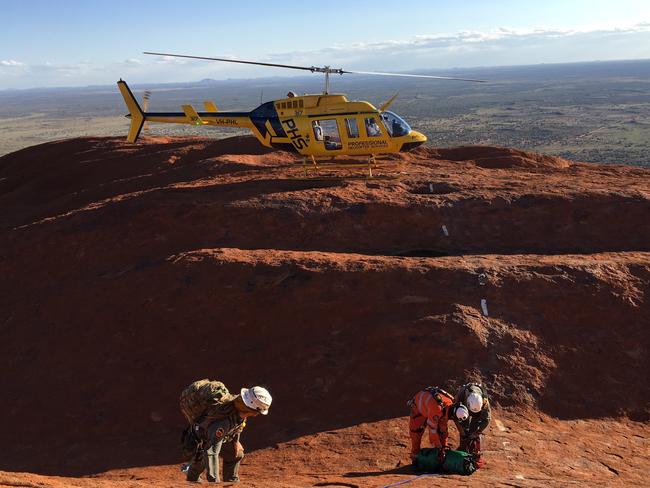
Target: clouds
[
  {"x": 500, "y": 46},
  {"x": 17, "y": 74},
  {"x": 11, "y": 63},
  {"x": 481, "y": 48},
  {"x": 11, "y": 71}
]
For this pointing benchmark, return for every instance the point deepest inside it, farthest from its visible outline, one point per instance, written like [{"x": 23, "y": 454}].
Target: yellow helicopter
[{"x": 314, "y": 126}]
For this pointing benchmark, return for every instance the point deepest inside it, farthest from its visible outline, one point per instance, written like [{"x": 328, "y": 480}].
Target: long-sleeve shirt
[{"x": 428, "y": 412}]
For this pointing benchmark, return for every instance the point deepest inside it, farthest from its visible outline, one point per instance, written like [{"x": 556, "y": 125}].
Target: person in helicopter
[
  {"x": 318, "y": 130},
  {"x": 372, "y": 128}
]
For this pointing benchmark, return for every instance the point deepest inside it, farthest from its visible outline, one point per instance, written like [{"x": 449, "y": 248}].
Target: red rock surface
[{"x": 131, "y": 270}]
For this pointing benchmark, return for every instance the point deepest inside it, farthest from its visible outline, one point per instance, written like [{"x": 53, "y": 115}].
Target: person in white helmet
[
  {"x": 474, "y": 397},
  {"x": 221, "y": 436}
]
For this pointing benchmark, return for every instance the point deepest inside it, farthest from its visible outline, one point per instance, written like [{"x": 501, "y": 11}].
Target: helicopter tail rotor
[
  {"x": 145, "y": 100},
  {"x": 136, "y": 114}
]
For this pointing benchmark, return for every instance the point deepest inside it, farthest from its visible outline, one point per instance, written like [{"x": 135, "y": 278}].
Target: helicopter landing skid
[{"x": 313, "y": 165}]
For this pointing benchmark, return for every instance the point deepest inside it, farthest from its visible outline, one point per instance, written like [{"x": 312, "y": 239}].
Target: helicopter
[{"x": 315, "y": 126}]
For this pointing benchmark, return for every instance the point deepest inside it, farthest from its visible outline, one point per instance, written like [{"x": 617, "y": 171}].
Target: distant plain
[{"x": 594, "y": 112}]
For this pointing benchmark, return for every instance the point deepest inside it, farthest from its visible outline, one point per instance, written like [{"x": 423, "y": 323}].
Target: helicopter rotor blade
[
  {"x": 412, "y": 76},
  {"x": 388, "y": 103},
  {"x": 289, "y": 66},
  {"x": 314, "y": 69}
]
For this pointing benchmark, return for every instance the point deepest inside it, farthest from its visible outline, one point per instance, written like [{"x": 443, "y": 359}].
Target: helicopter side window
[
  {"x": 330, "y": 133},
  {"x": 372, "y": 128},
  {"x": 352, "y": 128}
]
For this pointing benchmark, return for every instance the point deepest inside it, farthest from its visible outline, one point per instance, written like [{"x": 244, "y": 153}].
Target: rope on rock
[{"x": 409, "y": 481}]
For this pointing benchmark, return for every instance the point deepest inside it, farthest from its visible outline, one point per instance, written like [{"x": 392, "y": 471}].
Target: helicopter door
[{"x": 327, "y": 130}]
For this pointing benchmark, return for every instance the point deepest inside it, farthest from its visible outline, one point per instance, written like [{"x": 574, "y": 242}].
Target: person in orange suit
[{"x": 432, "y": 408}]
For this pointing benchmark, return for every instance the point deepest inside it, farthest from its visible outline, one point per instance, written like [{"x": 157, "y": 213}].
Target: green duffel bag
[
  {"x": 456, "y": 462},
  {"x": 459, "y": 462},
  {"x": 427, "y": 460}
]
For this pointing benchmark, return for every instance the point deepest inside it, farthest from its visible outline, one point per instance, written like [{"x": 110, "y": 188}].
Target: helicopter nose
[{"x": 413, "y": 140}]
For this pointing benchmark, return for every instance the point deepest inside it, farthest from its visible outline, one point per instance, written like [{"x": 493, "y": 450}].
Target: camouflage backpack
[{"x": 200, "y": 396}]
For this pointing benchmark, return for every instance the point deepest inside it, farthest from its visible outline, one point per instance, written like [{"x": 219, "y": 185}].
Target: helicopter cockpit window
[
  {"x": 372, "y": 128},
  {"x": 352, "y": 128},
  {"x": 395, "y": 124},
  {"x": 330, "y": 133}
]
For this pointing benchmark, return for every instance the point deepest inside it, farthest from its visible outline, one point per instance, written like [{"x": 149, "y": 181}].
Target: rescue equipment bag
[
  {"x": 456, "y": 462},
  {"x": 200, "y": 396}
]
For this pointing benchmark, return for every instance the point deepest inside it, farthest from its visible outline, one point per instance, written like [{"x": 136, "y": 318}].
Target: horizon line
[{"x": 68, "y": 87}]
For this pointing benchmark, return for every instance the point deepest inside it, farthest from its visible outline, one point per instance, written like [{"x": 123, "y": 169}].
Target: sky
[{"x": 95, "y": 42}]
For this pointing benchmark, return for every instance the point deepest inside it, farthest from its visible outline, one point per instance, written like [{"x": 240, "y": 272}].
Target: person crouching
[
  {"x": 221, "y": 436},
  {"x": 432, "y": 408},
  {"x": 474, "y": 397}
]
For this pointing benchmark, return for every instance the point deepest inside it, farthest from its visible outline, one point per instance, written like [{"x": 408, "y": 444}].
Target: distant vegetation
[{"x": 596, "y": 112}]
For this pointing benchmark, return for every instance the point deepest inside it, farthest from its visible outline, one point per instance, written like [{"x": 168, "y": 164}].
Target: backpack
[{"x": 200, "y": 396}]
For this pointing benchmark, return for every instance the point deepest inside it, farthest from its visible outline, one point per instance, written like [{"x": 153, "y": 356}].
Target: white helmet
[
  {"x": 461, "y": 412},
  {"x": 257, "y": 398},
  {"x": 474, "y": 402}
]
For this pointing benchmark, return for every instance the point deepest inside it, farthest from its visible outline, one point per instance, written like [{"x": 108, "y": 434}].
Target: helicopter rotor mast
[{"x": 326, "y": 70}]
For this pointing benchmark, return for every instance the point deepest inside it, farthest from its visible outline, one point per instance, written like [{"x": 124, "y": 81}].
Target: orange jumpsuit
[{"x": 429, "y": 410}]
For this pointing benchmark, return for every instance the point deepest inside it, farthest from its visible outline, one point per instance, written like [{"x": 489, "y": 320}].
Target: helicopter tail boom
[{"x": 136, "y": 114}]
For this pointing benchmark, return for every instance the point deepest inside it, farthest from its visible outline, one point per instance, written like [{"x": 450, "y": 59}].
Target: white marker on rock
[{"x": 445, "y": 231}]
